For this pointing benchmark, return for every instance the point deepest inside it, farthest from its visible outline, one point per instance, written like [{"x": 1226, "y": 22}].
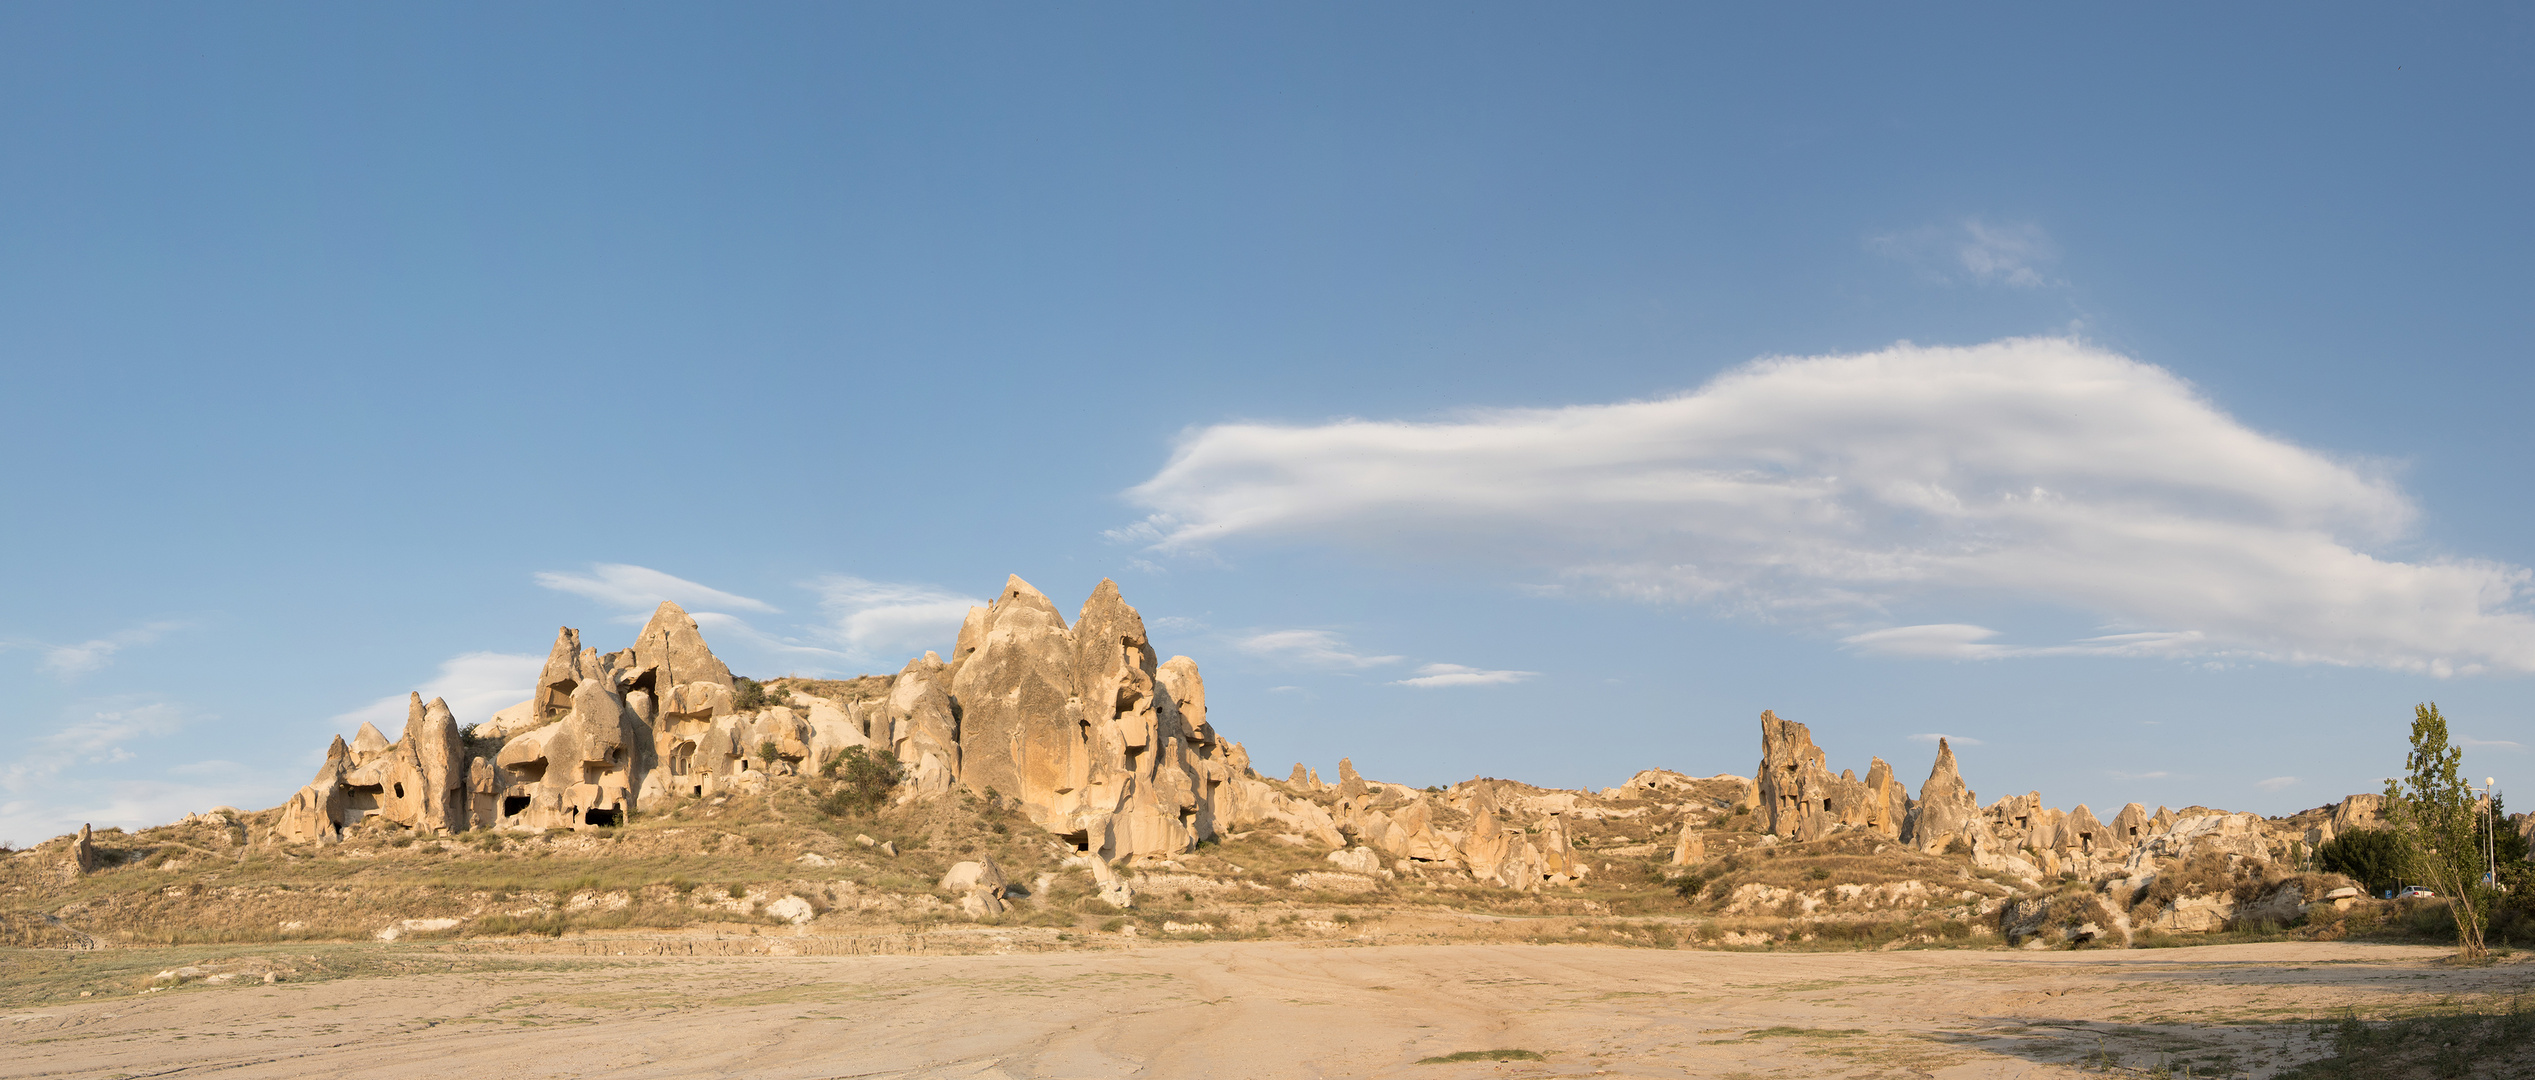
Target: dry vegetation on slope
[{"x": 777, "y": 870}]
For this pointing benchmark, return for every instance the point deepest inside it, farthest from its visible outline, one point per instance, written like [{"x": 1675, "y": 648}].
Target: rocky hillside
[{"x": 1059, "y": 783}]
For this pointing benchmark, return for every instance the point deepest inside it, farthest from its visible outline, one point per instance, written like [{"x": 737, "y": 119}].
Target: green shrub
[
  {"x": 865, "y": 781},
  {"x": 2371, "y": 857},
  {"x": 748, "y": 694}
]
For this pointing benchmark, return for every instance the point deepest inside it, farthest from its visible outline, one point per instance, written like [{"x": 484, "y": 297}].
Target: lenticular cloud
[{"x": 1837, "y": 489}]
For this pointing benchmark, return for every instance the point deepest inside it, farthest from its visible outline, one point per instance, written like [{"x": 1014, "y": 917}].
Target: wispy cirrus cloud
[
  {"x": 1962, "y": 641},
  {"x": 1974, "y": 250},
  {"x": 104, "y": 734},
  {"x": 862, "y": 622},
  {"x": 72, "y": 661},
  {"x": 476, "y": 685},
  {"x": 1312, "y": 648},
  {"x": 1831, "y": 493},
  {"x": 1936, "y": 736},
  {"x": 641, "y": 588},
  {"x": 876, "y": 620},
  {"x": 2277, "y": 783},
  {"x": 47, "y": 779},
  {"x": 1432, "y": 676},
  {"x": 2491, "y": 744}
]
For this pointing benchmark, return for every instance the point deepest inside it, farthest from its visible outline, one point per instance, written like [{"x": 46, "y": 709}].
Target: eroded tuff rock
[
  {"x": 1085, "y": 730},
  {"x": 1947, "y": 811},
  {"x": 1800, "y": 800},
  {"x": 84, "y": 859},
  {"x": 1081, "y": 726},
  {"x": 1795, "y": 786}
]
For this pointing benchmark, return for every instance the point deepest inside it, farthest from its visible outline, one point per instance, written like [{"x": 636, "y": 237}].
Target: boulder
[
  {"x": 2195, "y": 914},
  {"x": 1358, "y": 859},
  {"x": 981, "y": 874},
  {"x": 1689, "y": 850}
]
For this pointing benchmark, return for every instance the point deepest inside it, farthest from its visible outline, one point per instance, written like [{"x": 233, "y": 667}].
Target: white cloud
[
  {"x": 2160, "y": 774},
  {"x": 101, "y": 736},
  {"x": 81, "y": 773},
  {"x": 740, "y": 644},
  {"x": 1835, "y": 491},
  {"x": 2490, "y": 744},
  {"x": 1983, "y": 252},
  {"x": 67, "y": 661},
  {"x": 476, "y": 685},
  {"x": 98, "y": 733},
  {"x": 1435, "y": 675},
  {"x": 641, "y": 588},
  {"x": 1957, "y": 740},
  {"x": 2276, "y": 783},
  {"x": 1961, "y": 641},
  {"x": 1316, "y": 648},
  {"x": 130, "y": 804},
  {"x": 879, "y": 620}
]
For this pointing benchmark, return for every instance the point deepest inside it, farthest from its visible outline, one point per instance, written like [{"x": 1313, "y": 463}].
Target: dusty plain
[{"x": 1246, "y": 1009}]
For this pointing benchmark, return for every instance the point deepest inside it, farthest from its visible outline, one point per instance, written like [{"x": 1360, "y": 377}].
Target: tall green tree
[
  {"x": 2436, "y": 815},
  {"x": 2371, "y": 857}
]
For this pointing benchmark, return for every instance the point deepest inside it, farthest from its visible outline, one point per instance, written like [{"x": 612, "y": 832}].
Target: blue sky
[{"x": 1523, "y": 391}]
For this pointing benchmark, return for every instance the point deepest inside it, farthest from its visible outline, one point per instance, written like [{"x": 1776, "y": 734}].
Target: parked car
[{"x": 2410, "y": 891}]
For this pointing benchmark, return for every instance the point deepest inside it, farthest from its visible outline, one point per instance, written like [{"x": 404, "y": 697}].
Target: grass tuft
[{"x": 1483, "y": 1055}]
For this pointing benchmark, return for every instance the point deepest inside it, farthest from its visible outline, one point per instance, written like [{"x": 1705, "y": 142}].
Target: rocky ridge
[{"x": 1079, "y": 732}]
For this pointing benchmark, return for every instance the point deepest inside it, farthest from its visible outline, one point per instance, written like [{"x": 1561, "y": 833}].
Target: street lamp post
[{"x": 2490, "y": 833}]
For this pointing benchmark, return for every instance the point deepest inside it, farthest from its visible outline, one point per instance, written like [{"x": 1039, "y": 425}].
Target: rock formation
[
  {"x": 1082, "y": 727},
  {"x": 84, "y": 859},
  {"x": 1946, "y": 811},
  {"x": 1084, "y": 730},
  {"x": 1795, "y": 786},
  {"x": 980, "y": 886}
]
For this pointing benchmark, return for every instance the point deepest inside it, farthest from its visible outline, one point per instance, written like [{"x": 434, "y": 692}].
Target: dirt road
[{"x": 1266, "y": 1010}]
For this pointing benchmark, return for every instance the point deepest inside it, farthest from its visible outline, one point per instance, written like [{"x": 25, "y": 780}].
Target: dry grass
[
  {"x": 2493, "y": 1043},
  {"x": 46, "y": 976},
  {"x": 699, "y": 864}
]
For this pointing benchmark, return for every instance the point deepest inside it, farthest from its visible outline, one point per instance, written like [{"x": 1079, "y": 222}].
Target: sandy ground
[{"x": 1268, "y": 1010}]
